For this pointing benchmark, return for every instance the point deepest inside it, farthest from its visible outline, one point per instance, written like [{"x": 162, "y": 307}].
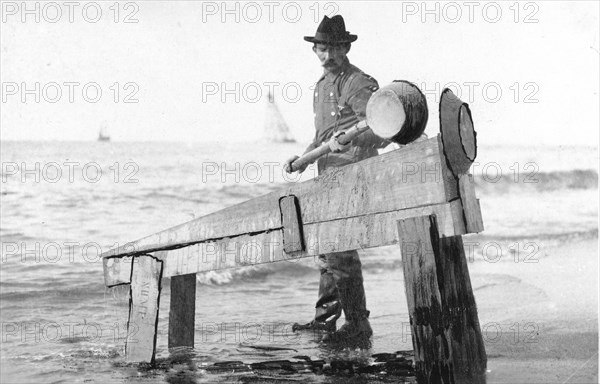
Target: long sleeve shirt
[{"x": 340, "y": 101}]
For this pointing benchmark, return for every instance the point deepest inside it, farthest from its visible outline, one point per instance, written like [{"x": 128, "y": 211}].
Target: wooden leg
[
  {"x": 445, "y": 329},
  {"x": 146, "y": 274},
  {"x": 183, "y": 311}
]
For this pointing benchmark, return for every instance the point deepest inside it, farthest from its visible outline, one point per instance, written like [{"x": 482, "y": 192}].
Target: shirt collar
[{"x": 332, "y": 76}]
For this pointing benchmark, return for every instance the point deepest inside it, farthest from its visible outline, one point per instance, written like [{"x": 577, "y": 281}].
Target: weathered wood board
[
  {"x": 331, "y": 236},
  {"x": 445, "y": 328},
  {"x": 146, "y": 274},
  {"x": 396, "y": 180}
]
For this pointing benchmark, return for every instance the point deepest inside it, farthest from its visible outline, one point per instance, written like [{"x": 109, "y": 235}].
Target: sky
[{"x": 201, "y": 71}]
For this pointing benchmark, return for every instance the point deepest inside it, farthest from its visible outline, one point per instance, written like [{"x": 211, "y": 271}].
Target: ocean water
[{"x": 63, "y": 203}]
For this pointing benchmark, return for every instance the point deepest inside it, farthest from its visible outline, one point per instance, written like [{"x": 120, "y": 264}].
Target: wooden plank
[
  {"x": 292, "y": 227},
  {"x": 445, "y": 329},
  {"x": 183, "y": 311},
  {"x": 450, "y": 182},
  {"x": 409, "y": 177},
  {"x": 422, "y": 296},
  {"x": 471, "y": 209},
  {"x": 117, "y": 270},
  {"x": 241, "y": 251},
  {"x": 331, "y": 236},
  {"x": 145, "y": 287},
  {"x": 376, "y": 230},
  {"x": 459, "y": 310}
]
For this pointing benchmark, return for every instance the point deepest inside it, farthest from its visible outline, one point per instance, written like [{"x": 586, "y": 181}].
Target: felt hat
[{"x": 332, "y": 31}]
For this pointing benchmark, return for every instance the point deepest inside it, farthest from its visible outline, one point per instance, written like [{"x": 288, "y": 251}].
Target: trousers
[{"x": 340, "y": 287}]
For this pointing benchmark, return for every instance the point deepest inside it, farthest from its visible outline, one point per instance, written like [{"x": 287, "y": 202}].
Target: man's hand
[
  {"x": 335, "y": 145},
  {"x": 288, "y": 165}
]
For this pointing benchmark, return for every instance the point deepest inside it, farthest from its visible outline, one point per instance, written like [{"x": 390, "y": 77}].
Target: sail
[
  {"x": 276, "y": 130},
  {"x": 103, "y": 135}
]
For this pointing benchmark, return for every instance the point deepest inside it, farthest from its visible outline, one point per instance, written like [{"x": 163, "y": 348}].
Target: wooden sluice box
[{"x": 419, "y": 196}]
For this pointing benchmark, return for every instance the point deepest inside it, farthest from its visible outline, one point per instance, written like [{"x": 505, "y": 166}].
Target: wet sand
[{"x": 540, "y": 320}]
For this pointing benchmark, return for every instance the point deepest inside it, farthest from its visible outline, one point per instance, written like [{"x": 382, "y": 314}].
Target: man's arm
[
  {"x": 287, "y": 165},
  {"x": 312, "y": 145},
  {"x": 361, "y": 89}
]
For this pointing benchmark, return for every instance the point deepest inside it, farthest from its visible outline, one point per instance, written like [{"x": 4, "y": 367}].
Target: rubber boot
[
  {"x": 356, "y": 330},
  {"x": 328, "y": 308}
]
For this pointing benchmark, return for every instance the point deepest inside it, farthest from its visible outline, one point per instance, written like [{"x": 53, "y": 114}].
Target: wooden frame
[{"x": 420, "y": 197}]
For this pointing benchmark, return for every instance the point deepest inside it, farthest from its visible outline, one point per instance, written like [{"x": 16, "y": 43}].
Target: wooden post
[
  {"x": 470, "y": 204},
  {"x": 445, "y": 329},
  {"x": 146, "y": 274},
  {"x": 183, "y": 310}
]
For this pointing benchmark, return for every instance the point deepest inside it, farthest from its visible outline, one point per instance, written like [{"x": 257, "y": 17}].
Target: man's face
[{"x": 331, "y": 56}]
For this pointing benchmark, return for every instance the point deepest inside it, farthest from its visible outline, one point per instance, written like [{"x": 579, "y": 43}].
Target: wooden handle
[{"x": 324, "y": 149}]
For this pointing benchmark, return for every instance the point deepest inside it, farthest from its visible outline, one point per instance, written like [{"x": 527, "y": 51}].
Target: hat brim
[{"x": 311, "y": 39}]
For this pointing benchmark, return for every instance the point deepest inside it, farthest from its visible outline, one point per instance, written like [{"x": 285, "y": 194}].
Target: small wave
[
  {"x": 20, "y": 237},
  {"x": 180, "y": 196},
  {"x": 103, "y": 352},
  {"x": 255, "y": 272},
  {"x": 52, "y": 290},
  {"x": 557, "y": 238},
  {"x": 576, "y": 179}
]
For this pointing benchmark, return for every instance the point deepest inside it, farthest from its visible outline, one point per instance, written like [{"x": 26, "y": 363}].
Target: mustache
[{"x": 328, "y": 62}]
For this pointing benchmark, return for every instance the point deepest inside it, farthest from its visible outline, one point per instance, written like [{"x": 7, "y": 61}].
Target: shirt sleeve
[{"x": 360, "y": 90}]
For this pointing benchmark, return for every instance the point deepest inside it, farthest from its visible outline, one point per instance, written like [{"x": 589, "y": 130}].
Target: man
[{"x": 339, "y": 103}]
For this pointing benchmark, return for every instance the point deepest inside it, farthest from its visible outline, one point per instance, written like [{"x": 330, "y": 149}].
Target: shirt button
[
  {"x": 332, "y": 113},
  {"x": 330, "y": 93}
]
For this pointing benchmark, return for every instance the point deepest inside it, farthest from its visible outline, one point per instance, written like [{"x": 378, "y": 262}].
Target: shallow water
[{"x": 60, "y": 324}]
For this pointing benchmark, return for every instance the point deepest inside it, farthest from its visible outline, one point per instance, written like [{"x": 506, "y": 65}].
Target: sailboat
[
  {"x": 103, "y": 134},
  {"x": 276, "y": 129}
]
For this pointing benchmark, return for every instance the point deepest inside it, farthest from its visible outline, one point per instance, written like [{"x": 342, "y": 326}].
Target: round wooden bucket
[{"x": 398, "y": 112}]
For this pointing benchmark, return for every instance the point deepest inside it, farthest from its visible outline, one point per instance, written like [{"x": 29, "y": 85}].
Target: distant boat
[
  {"x": 103, "y": 134},
  {"x": 276, "y": 130}
]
